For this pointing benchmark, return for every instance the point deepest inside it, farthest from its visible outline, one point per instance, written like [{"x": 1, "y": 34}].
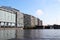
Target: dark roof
[{"x": 8, "y": 8}]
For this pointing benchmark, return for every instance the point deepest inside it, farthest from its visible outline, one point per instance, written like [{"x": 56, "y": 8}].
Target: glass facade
[{"x": 7, "y": 18}]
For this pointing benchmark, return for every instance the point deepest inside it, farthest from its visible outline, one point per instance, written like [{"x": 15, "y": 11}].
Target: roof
[{"x": 8, "y": 8}]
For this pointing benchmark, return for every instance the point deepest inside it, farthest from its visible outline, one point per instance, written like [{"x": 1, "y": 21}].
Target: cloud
[{"x": 39, "y": 12}]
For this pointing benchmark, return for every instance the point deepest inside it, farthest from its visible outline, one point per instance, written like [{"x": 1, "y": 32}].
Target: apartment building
[
  {"x": 30, "y": 21},
  {"x": 20, "y": 20},
  {"x": 39, "y": 22},
  {"x": 10, "y": 17},
  {"x": 27, "y": 20}
]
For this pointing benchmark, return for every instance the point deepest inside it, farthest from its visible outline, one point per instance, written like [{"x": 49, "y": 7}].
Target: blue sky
[{"x": 47, "y": 10}]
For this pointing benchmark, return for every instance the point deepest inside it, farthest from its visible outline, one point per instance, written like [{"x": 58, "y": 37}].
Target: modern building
[
  {"x": 36, "y": 21},
  {"x": 39, "y": 22},
  {"x": 31, "y": 21},
  {"x": 27, "y": 20},
  {"x": 20, "y": 20},
  {"x": 10, "y": 17},
  {"x": 7, "y": 17}
]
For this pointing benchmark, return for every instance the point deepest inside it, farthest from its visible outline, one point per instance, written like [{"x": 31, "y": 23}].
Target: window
[
  {"x": 2, "y": 23},
  {"x": 13, "y": 24},
  {"x": 7, "y": 16},
  {"x": 9, "y": 24},
  {"x": 5, "y": 24}
]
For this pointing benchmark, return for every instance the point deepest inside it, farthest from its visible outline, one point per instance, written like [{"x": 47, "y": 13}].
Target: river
[{"x": 28, "y": 34}]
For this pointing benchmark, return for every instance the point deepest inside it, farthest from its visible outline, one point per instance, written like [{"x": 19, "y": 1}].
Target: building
[
  {"x": 36, "y": 22},
  {"x": 10, "y": 17},
  {"x": 39, "y": 22},
  {"x": 27, "y": 20},
  {"x": 7, "y": 17},
  {"x": 32, "y": 21},
  {"x": 20, "y": 20}
]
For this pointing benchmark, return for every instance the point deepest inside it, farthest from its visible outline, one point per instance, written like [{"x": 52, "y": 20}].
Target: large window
[
  {"x": 7, "y": 17},
  {"x": 2, "y": 23}
]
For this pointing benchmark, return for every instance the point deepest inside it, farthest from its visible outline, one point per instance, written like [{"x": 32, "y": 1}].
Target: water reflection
[
  {"x": 7, "y": 34},
  {"x": 30, "y": 34},
  {"x": 19, "y": 34}
]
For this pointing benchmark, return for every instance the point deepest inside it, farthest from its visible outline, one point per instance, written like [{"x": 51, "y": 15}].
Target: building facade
[
  {"x": 36, "y": 22},
  {"x": 39, "y": 22},
  {"x": 32, "y": 21},
  {"x": 10, "y": 17},
  {"x": 20, "y": 20},
  {"x": 27, "y": 20},
  {"x": 7, "y": 17}
]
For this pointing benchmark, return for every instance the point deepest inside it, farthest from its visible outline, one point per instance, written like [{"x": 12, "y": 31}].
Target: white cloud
[{"x": 39, "y": 12}]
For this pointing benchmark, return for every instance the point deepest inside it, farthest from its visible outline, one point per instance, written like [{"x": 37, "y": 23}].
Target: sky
[{"x": 46, "y": 10}]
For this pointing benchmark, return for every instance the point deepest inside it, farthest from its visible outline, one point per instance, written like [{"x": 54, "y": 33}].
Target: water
[{"x": 35, "y": 34}]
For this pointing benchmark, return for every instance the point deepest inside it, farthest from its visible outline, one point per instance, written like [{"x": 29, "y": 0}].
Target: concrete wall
[
  {"x": 39, "y": 22},
  {"x": 32, "y": 21},
  {"x": 20, "y": 20},
  {"x": 27, "y": 20},
  {"x": 36, "y": 21},
  {"x": 8, "y": 17}
]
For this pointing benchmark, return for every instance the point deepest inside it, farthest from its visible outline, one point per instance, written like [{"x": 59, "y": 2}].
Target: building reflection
[
  {"x": 19, "y": 34},
  {"x": 16, "y": 34},
  {"x": 29, "y": 34},
  {"x": 7, "y": 34}
]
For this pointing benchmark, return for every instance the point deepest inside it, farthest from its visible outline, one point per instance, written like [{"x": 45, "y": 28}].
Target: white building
[
  {"x": 10, "y": 17},
  {"x": 7, "y": 17}
]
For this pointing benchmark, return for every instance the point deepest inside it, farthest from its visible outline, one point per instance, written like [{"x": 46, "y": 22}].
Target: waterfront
[{"x": 34, "y": 34}]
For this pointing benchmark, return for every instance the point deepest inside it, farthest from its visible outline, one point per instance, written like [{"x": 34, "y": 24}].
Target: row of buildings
[{"x": 11, "y": 17}]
